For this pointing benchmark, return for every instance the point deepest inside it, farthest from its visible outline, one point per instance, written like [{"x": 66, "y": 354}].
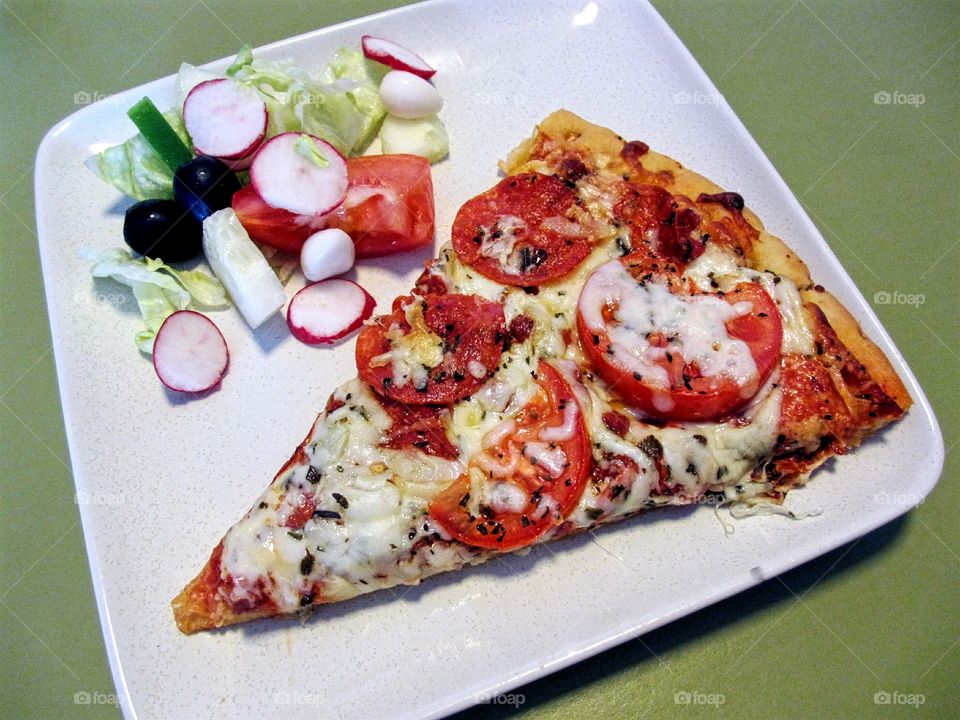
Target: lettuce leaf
[
  {"x": 188, "y": 77},
  {"x": 135, "y": 169},
  {"x": 349, "y": 64},
  {"x": 159, "y": 289},
  {"x": 340, "y": 105}
]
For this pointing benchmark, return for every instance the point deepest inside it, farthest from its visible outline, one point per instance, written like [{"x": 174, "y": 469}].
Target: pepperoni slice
[
  {"x": 418, "y": 426},
  {"x": 522, "y": 232},
  {"x": 432, "y": 349},
  {"x": 431, "y": 280},
  {"x": 662, "y": 225}
]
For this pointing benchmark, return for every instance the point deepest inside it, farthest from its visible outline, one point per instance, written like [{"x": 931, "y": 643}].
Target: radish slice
[
  {"x": 224, "y": 119},
  {"x": 328, "y": 310},
  {"x": 241, "y": 164},
  {"x": 395, "y": 56},
  {"x": 189, "y": 353},
  {"x": 300, "y": 173}
]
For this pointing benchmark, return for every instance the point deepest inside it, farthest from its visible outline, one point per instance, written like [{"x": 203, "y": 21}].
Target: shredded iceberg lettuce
[
  {"x": 340, "y": 105},
  {"x": 159, "y": 289},
  {"x": 135, "y": 169}
]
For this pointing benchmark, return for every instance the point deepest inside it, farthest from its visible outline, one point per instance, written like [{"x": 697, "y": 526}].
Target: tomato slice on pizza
[
  {"x": 674, "y": 354},
  {"x": 523, "y": 232},
  {"x": 528, "y": 476},
  {"x": 432, "y": 348}
]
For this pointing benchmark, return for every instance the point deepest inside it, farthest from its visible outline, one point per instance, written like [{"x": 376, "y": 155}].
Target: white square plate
[{"x": 160, "y": 479}]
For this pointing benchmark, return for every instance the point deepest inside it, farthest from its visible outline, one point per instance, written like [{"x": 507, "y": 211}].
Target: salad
[{"x": 262, "y": 169}]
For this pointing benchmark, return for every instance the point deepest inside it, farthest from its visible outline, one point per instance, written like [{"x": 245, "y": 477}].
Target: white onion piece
[
  {"x": 327, "y": 253},
  {"x": 408, "y": 96}
]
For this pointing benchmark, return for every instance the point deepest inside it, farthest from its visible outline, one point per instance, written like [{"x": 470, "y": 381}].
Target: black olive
[
  {"x": 204, "y": 185},
  {"x": 162, "y": 229}
]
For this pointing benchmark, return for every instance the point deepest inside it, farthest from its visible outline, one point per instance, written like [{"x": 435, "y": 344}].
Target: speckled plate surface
[{"x": 159, "y": 479}]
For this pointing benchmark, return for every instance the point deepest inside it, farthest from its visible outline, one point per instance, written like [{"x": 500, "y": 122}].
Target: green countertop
[{"x": 881, "y": 181}]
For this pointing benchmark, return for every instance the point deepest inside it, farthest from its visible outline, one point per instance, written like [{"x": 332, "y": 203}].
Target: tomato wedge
[
  {"x": 389, "y": 209},
  {"x": 280, "y": 229},
  {"x": 674, "y": 353},
  {"x": 389, "y": 206},
  {"x": 527, "y": 481},
  {"x": 523, "y": 231},
  {"x": 432, "y": 348}
]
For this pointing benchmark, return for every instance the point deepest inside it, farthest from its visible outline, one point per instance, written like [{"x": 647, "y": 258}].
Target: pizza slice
[{"x": 606, "y": 333}]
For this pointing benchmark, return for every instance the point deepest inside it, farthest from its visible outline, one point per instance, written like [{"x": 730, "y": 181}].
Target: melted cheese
[
  {"x": 694, "y": 327},
  {"x": 412, "y": 353},
  {"x": 386, "y": 492},
  {"x": 499, "y": 241},
  {"x": 718, "y": 267},
  {"x": 477, "y": 369},
  {"x": 381, "y": 495},
  {"x": 482, "y": 420},
  {"x": 565, "y": 430},
  {"x": 505, "y": 497},
  {"x": 698, "y": 456},
  {"x": 546, "y": 455}
]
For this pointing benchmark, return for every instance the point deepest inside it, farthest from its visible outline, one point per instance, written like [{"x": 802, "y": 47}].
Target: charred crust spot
[
  {"x": 634, "y": 150},
  {"x": 571, "y": 170},
  {"x": 730, "y": 200}
]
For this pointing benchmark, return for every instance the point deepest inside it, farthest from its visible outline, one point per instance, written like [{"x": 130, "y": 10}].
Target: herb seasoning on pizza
[{"x": 607, "y": 333}]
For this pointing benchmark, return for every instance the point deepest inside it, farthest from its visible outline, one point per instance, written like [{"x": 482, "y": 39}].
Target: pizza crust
[
  {"x": 769, "y": 251},
  {"x": 196, "y": 608}
]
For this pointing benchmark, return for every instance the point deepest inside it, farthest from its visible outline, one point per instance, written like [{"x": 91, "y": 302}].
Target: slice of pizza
[{"x": 607, "y": 333}]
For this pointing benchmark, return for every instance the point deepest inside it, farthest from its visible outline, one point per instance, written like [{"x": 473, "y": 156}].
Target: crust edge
[{"x": 862, "y": 347}]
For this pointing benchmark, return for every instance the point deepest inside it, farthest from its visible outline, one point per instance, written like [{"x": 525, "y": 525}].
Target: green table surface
[{"x": 881, "y": 181}]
